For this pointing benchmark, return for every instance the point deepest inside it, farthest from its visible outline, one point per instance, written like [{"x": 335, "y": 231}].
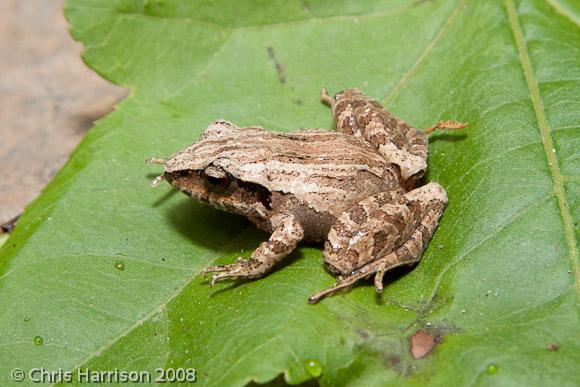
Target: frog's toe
[
  {"x": 213, "y": 269},
  {"x": 221, "y": 268},
  {"x": 232, "y": 274},
  {"x": 240, "y": 269},
  {"x": 341, "y": 283},
  {"x": 379, "y": 280},
  {"x": 217, "y": 277}
]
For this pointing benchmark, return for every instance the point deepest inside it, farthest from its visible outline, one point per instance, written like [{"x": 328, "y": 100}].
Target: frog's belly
[{"x": 318, "y": 209}]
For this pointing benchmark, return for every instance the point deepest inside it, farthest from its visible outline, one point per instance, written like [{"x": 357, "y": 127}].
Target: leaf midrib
[{"x": 546, "y": 138}]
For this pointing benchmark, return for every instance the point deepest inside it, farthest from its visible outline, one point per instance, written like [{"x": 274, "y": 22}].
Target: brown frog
[{"x": 354, "y": 188}]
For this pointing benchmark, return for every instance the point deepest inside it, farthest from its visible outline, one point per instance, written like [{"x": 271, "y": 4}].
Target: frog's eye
[
  {"x": 216, "y": 179},
  {"x": 219, "y": 128}
]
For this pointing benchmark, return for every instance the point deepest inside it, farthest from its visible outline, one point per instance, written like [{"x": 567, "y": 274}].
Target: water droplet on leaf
[
  {"x": 313, "y": 368},
  {"x": 491, "y": 369},
  {"x": 119, "y": 265},
  {"x": 38, "y": 340}
]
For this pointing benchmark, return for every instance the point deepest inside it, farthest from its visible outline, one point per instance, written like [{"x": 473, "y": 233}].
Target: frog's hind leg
[
  {"x": 341, "y": 283},
  {"x": 398, "y": 142},
  {"x": 446, "y": 125},
  {"x": 408, "y": 246}
]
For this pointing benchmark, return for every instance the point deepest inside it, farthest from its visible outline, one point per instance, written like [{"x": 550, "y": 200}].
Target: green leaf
[{"x": 499, "y": 284}]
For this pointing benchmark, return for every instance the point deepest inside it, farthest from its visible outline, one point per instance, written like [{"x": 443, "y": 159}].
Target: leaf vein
[
  {"x": 317, "y": 19},
  {"x": 486, "y": 238},
  {"x": 436, "y": 39},
  {"x": 491, "y": 158},
  {"x": 564, "y": 12}
]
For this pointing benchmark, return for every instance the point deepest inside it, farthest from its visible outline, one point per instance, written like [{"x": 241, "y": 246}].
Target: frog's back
[{"x": 329, "y": 168}]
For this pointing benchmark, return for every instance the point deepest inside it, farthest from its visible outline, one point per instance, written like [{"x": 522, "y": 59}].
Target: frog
[{"x": 356, "y": 189}]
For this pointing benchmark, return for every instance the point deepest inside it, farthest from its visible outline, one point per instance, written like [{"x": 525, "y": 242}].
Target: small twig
[{"x": 277, "y": 65}]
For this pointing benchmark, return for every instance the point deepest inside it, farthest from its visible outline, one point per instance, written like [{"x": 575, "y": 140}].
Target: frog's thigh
[
  {"x": 367, "y": 229},
  {"x": 397, "y": 141},
  {"x": 286, "y": 236},
  {"x": 431, "y": 199}
]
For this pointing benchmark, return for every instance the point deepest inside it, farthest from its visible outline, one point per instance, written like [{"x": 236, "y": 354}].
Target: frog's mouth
[{"x": 189, "y": 182}]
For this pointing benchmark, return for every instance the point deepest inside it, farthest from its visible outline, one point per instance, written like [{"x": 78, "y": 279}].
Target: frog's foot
[
  {"x": 287, "y": 233},
  {"x": 378, "y": 268},
  {"x": 446, "y": 125},
  {"x": 241, "y": 269},
  {"x": 341, "y": 283}
]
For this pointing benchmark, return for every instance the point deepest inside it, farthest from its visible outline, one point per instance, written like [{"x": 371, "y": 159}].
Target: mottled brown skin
[{"x": 353, "y": 188}]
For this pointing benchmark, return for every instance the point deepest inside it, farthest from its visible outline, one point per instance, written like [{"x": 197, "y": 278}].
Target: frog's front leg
[
  {"x": 285, "y": 237},
  {"x": 376, "y": 235}
]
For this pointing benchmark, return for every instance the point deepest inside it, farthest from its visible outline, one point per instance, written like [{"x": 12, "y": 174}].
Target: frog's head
[
  {"x": 209, "y": 170},
  {"x": 344, "y": 96},
  {"x": 350, "y": 94}
]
